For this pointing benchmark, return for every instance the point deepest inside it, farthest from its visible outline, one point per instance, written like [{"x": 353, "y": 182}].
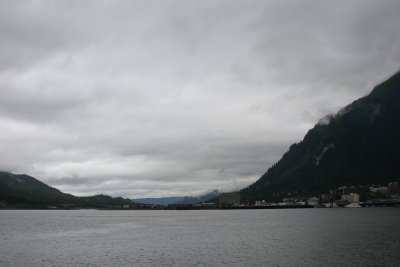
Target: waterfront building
[
  {"x": 380, "y": 189},
  {"x": 350, "y": 198}
]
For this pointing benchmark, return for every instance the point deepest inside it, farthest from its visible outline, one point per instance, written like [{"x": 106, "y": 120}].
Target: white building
[
  {"x": 351, "y": 198},
  {"x": 381, "y": 189}
]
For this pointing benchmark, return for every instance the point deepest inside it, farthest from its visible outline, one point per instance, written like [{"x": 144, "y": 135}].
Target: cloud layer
[{"x": 164, "y": 98}]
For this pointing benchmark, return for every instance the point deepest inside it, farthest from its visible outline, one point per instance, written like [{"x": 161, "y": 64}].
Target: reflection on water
[{"x": 305, "y": 237}]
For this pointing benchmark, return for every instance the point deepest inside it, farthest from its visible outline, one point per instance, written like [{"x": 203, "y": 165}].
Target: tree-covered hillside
[
  {"x": 20, "y": 190},
  {"x": 359, "y": 145}
]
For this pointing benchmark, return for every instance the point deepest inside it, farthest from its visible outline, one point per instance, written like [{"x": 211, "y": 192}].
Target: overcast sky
[{"x": 170, "y": 98}]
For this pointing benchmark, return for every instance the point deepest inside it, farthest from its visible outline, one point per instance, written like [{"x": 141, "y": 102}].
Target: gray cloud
[{"x": 163, "y": 98}]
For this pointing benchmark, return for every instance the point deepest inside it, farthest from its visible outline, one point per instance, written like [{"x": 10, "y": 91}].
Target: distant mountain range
[
  {"x": 360, "y": 145},
  {"x": 23, "y": 191},
  {"x": 20, "y": 190},
  {"x": 200, "y": 199},
  {"x": 178, "y": 200},
  {"x": 158, "y": 201}
]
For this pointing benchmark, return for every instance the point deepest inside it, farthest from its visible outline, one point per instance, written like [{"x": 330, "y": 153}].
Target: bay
[{"x": 298, "y": 237}]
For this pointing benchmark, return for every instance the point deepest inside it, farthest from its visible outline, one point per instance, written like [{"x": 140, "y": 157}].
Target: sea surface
[{"x": 296, "y": 237}]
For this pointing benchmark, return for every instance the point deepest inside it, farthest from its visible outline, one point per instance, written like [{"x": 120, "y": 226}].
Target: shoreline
[{"x": 202, "y": 208}]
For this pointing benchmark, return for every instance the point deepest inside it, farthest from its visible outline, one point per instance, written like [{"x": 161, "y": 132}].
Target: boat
[
  {"x": 331, "y": 205},
  {"x": 353, "y": 205}
]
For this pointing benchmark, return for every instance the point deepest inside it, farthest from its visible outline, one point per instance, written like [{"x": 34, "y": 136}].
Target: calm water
[{"x": 307, "y": 237}]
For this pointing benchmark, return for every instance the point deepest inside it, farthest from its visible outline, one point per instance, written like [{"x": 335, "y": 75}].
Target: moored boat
[{"x": 353, "y": 205}]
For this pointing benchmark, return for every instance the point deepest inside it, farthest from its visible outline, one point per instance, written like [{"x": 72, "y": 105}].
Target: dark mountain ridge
[
  {"x": 20, "y": 190},
  {"x": 359, "y": 145}
]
